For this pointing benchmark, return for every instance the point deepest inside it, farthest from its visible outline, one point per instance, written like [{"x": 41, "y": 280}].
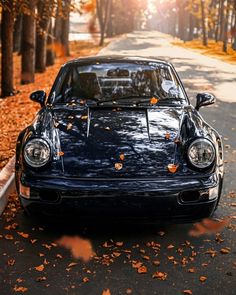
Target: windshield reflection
[{"x": 113, "y": 81}]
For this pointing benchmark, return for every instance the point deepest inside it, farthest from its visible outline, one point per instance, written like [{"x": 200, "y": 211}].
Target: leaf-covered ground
[
  {"x": 213, "y": 49},
  {"x": 18, "y": 111},
  {"x": 69, "y": 257}
]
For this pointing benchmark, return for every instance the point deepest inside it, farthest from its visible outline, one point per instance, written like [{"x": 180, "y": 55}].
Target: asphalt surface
[{"x": 183, "y": 258}]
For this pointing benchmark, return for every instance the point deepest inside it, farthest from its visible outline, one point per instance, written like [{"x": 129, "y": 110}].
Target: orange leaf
[
  {"x": 118, "y": 166},
  {"x": 85, "y": 279},
  {"x": 202, "y": 279},
  {"x": 39, "y": 268},
  {"x": 20, "y": 289},
  {"x": 154, "y": 100},
  {"x": 142, "y": 269},
  {"x": 84, "y": 117},
  {"x": 24, "y": 235},
  {"x": 106, "y": 292},
  {"x": 172, "y": 168},
  {"x": 72, "y": 264},
  {"x": 122, "y": 157},
  {"x": 60, "y": 154},
  {"x": 224, "y": 251},
  {"x": 167, "y": 136},
  {"x": 160, "y": 275},
  {"x": 188, "y": 292}
]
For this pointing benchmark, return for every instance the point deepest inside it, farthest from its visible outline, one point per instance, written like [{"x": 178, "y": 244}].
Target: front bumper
[{"x": 151, "y": 199}]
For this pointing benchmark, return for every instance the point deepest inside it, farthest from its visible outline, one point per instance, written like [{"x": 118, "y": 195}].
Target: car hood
[{"x": 122, "y": 142}]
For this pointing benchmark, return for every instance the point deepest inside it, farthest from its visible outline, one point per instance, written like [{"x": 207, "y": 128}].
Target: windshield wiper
[{"x": 126, "y": 97}]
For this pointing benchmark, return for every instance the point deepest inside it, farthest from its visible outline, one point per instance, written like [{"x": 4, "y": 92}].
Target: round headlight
[
  {"x": 37, "y": 152},
  {"x": 201, "y": 153}
]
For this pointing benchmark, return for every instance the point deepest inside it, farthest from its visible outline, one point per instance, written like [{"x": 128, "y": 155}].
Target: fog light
[
  {"x": 24, "y": 191},
  {"x": 213, "y": 192}
]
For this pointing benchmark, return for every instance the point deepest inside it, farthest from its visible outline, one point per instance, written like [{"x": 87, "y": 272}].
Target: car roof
[{"x": 115, "y": 58}]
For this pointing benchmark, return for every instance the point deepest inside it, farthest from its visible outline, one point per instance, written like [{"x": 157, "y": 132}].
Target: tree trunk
[
  {"x": 66, "y": 28},
  {"x": 103, "y": 10},
  {"x": 7, "y": 26},
  {"x": 204, "y": 30},
  {"x": 225, "y": 35},
  {"x": 62, "y": 27},
  {"x": 17, "y": 34},
  {"x": 50, "y": 51},
  {"x": 28, "y": 46},
  {"x": 234, "y": 28},
  {"x": 41, "y": 38},
  {"x": 191, "y": 26},
  {"x": 221, "y": 20}
]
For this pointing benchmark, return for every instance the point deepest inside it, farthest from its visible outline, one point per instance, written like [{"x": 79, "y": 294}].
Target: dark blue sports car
[{"x": 117, "y": 136}]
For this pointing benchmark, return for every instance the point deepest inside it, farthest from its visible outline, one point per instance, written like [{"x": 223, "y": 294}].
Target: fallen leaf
[
  {"x": 118, "y": 166},
  {"x": 69, "y": 126},
  {"x": 40, "y": 279},
  {"x": 72, "y": 264},
  {"x": 172, "y": 168},
  {"x": 188, "y": 292},
  {"x": 8, "y": 237},
  {"x": 225, "y": 251},
  {"x": 161, "y": 233},
  {"x": 191, "y": 270},
  {"x": 167, "y": 135},
  {"x": 142, "y": 269},
  {"x": 11, "y": 262},
  {"x": 22, "y": 234},
  {"x": 20, "y": 289},
  {"x": 33, "y": 241},
  {"x": 85, "y": 279},
  {"x": 129, "y": 291},
  {"x": 154, "y": 100},
  {"x": 156, "y": 262},
  {"x": 106, "y": 245},
  {"x": 60, "y": 154},
  {"x": 136, "y": 264},
  {"x": 84, "y": 117},
  {"x": 170, "y": 246},
  {"x": 106, "y": 292},
  {"x": 202, "y": 279},
  {"x": 19, "y": 280},
  {"x": 160, "y": 275},
  {"x": 39, "y": 268},
  {"x": 122, "y": 157}
]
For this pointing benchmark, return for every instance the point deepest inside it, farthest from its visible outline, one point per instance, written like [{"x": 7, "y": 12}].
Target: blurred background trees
[{"x": 38, "y": 29}]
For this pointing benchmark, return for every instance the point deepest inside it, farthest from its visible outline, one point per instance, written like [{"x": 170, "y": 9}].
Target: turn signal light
[{"x": 24, "y": 191}]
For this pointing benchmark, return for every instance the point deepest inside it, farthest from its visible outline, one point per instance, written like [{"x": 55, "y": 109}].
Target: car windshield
[{"x": 113, "y": 82}]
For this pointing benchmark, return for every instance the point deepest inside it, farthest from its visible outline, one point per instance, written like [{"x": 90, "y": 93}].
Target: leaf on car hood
[
  {"x": 118, "y": 166},
  {"x": 154, "y": 100}
]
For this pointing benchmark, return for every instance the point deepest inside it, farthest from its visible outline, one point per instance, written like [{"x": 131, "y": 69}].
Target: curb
[{"x": 7, "y": 183}]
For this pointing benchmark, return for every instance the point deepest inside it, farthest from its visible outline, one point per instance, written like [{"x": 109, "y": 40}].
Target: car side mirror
[
  {"x": 39, "y": 96},
  {"x": 204, "y": 99}
]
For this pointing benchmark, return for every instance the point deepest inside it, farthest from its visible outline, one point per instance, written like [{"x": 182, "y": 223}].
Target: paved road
[{"x": 114, "y": 271}]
